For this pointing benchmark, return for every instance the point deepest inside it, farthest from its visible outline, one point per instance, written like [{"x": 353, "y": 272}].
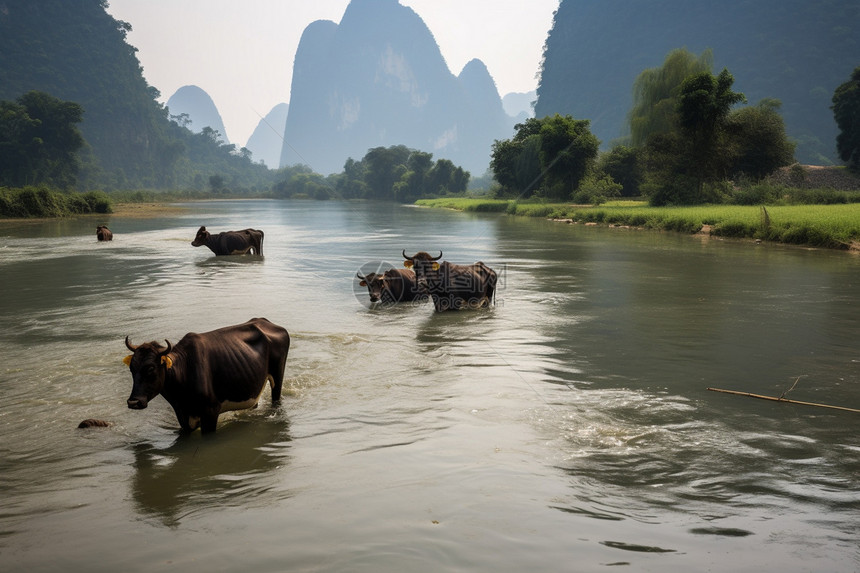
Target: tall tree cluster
[
  {"x": 39, "y": 141},
  {"x": 689, "y": 136},
  {"x": 395, "y": 173},
  {"x": 548, "y": 156}
]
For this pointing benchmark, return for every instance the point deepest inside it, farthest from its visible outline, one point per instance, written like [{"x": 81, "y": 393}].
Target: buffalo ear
[
  {"x": 127, "y": 360},
  {"x": 435, "y": 266},
  {"x": 167, "y": 362},
  {"x": 363, "y": 283},
  {"x": 407, "y": 264}
]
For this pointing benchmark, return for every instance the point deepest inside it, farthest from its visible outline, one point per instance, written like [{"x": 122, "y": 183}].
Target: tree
[
  {"x": 39, "y": 141},
  {"x": 567, "y": 151},
  {"x": 703, "y": 105},
  {"x": 622, "y": 163},
  {"x": 846, "y": 112},
  {"x": 759, "y": 143},
  {"x": 655, "y": 92},
  {"x": 515, "y": 163},
  {"x": 385, "y": 167}
]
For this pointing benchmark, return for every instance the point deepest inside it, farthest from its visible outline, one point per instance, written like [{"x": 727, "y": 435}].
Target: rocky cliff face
[
  {"x": 379, "y": 79},
  {"x": 200, "y": 109}
]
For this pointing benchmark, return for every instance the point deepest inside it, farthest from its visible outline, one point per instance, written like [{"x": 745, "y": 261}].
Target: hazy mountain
[
  {"x": 793, "y": 50},
  {"x": 378, "y": 79},
  {"x": 519, "y": 104},
  {"x": 200, "y": 109},
  {"x": 268, "y": 137},
  {"x": 76, "y": 51}
]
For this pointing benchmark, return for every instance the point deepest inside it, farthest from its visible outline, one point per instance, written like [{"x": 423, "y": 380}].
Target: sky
[{"x": 241, "y": 52}]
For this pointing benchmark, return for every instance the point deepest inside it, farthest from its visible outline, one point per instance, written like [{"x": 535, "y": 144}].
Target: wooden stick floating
[{"x": 780, "y": 399}]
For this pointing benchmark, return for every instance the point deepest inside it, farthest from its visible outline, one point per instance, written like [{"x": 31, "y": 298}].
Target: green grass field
[{"x": 832, "y": 226}]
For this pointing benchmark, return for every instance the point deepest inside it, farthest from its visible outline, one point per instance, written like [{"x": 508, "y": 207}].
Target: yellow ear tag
[
  {"x": 167, "y": 362},
  {"x": 407, "y": 264},
  {"x": 127, "y": 360},
  {"x": 435, "y": 266}
]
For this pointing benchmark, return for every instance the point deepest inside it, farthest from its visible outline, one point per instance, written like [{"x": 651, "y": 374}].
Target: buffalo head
[
  {"x": 375, "y": 284},
  {"x": 148, "y": 364},
  {"x": 201, "y": 238},
  {"x": 426, "y": 268}
]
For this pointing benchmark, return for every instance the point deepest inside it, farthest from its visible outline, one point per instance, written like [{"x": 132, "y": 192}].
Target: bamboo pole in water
[{"x": 781, "y": 399}]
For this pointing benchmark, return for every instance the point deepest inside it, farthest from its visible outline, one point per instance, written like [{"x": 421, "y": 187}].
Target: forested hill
[
  {"x": 77, "y": 52},
  {"x": 794, "y": 50}
]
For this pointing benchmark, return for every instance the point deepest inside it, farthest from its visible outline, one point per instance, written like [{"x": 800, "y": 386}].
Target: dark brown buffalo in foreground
[
  {"x": 206, "y": 374},
  {"x": 231, "y": 242},
  {"x": 103, "y": 233},
  {"x": 452, "y": 287},
  {"x": 391, "y": 287}
]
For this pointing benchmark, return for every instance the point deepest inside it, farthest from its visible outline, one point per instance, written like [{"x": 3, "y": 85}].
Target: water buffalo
[
  {"x": 94, "y": 423},
  {"x": 231, "y": 242},
  {"x": 390, "y": 287},
  {"x": 452, "y": 287},
  {"x": 103, "y": 233},
  {"x": 206, "y": 374}
]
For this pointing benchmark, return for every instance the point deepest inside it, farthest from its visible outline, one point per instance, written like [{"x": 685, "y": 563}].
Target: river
[{"x": 568, "y": 428}]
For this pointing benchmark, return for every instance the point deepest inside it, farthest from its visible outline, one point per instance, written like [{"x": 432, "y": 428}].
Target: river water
[{"x": 569, "y": 428}]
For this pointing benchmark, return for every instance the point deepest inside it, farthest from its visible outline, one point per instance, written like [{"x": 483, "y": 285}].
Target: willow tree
[{"x": 655, "y": 92}]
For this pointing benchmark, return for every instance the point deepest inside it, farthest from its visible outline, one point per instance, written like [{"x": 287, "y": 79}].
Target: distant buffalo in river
[
  {"x": 247, "y": 241},
  {"x": 103, "y": 233},
  {"x": 93, "y": 423}
]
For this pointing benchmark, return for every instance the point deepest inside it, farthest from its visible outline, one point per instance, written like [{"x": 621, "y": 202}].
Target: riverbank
[{"x": 830, "y": 226}]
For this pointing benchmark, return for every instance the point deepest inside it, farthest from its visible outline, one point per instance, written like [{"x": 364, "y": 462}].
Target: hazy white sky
[{"x": 241, "y": 52}]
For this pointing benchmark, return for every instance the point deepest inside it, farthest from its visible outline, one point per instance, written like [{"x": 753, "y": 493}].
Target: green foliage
[
  {"x": 760, "y": 144},
  {"x": 31, "y": 201},
  {"x": 846, "y": 112},
  {"x": 693, "y": 161},
  {"x": 555, "y": 152},
  {"x": 394, "y": 173},
  {"x": 624, "y": 166},
  {"x": 567, "y": 152},
  {"x": 655, "y": 92},
  {"x": 39, "y": 141},
  {"x": 596, "y": 190}
]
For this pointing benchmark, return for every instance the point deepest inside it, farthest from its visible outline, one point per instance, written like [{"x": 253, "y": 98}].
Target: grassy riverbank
[{"x": 832, "y": 226}]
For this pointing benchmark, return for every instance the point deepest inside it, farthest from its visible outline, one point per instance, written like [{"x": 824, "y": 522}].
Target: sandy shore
[{"x": 144, "y": 209}]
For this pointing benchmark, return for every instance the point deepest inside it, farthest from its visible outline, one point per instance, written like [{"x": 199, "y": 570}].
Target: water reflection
[{"x": 235, "y": 467}]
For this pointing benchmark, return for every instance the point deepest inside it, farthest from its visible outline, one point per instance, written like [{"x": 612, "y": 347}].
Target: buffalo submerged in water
[
  {"x": 246, "y": 241},
  {"x": 206, "y": 374},
  {"x": 452, "y": 287}
]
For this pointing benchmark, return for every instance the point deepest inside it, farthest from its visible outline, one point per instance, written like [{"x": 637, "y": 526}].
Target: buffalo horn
[
  {"x": 167, "y": 351},
  {"x": 129, "y": 346},
  {"x": 437, "y": 258}
]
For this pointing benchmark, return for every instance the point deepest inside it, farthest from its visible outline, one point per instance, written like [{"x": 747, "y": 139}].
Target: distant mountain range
[
  {"x": 794, "y": 50},
  {"x": 378, "y": 79}
]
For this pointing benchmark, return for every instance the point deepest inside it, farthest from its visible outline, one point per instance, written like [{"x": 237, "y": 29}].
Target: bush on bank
[{"x": 32, "y": 202}]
